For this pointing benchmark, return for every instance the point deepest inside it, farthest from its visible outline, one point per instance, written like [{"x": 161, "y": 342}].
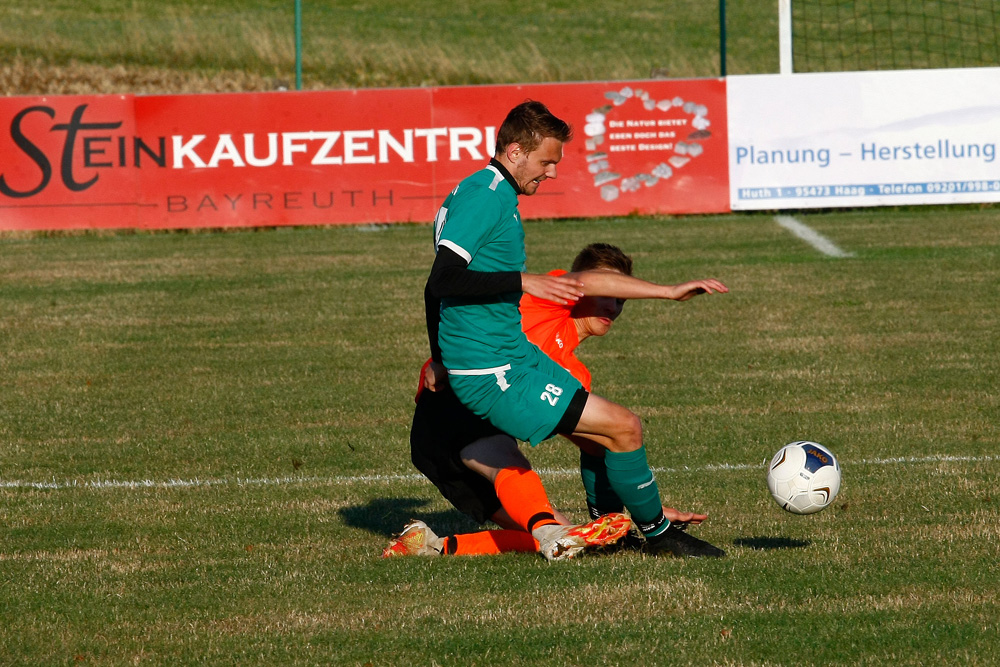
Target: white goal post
[{"x": 785, "y": 36}]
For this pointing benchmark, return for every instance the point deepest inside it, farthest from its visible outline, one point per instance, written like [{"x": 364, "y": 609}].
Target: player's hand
[
  {"x": 559, "y": 289},
  {"x": 683, "y": 519},
  {"x": 435, "y": 377},
  {"x": 688, "y": 290}
]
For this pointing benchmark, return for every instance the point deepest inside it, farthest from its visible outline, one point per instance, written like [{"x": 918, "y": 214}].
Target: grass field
[
  {"x": 203, "y": 451},
  {"x": 138, "y": 46},
  {"x": 203, "y": 436},
  {"x": 180, "y": 46}
]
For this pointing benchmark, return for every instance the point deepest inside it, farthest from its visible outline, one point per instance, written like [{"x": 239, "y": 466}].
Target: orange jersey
[{"x": 549, "y": 326}]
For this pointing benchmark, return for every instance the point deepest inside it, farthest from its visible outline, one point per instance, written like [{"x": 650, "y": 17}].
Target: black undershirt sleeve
[
  {"x": 451, "y": 276},
  {"x": 432, "y": 307}
]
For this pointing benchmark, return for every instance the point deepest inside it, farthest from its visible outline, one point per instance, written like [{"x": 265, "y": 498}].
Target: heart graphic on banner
[{"x": 599, "y": 162}]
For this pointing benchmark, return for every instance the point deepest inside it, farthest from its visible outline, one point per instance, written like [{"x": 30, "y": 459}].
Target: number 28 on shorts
[{"x": 551, "y": 394}]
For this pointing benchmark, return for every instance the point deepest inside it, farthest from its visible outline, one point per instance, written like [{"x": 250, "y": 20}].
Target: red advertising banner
[{"x": 342, "y": 157}]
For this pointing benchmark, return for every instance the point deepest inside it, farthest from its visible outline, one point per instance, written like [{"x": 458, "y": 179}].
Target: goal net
[{"x": 839, "y": 35}]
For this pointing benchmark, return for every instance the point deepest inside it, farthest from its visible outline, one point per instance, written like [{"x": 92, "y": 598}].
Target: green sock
[
  {"x": 601, "y": 498},
  {"x": 633, "y": 481}
]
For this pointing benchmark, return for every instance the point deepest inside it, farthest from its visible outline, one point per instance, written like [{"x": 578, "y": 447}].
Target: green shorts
[{"x": 530, "y": 399}]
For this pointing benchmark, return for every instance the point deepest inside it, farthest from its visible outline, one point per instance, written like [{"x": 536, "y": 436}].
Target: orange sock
[
  {"x": 521, "y": 493},
  {"x": 490, "y": 542}
]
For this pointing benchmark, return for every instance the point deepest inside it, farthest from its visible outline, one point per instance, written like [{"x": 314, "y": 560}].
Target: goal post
[{"x": 785, "y": 36}]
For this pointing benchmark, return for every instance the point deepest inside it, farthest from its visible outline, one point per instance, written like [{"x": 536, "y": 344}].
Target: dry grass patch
[{"x": 22, "y": 76}]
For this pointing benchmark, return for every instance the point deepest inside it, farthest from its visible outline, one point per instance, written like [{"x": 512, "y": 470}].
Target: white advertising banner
[{"x": 864, "y": 138}]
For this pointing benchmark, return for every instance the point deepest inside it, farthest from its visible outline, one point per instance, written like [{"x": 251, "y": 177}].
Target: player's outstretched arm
[
  {"x": 685, "y": 291},
  {"x": 563, "y": 290},
  {"x": 618, "y": 285}
]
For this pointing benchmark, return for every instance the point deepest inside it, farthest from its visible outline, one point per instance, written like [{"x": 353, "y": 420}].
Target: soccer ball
[{"x": 804, "y": 477}]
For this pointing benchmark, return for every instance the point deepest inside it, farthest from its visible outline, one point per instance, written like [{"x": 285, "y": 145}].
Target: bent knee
[{"x": 628, "y": 433}]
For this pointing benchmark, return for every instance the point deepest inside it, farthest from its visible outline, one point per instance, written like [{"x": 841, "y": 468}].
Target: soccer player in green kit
[{"x": 472, "y": 297}]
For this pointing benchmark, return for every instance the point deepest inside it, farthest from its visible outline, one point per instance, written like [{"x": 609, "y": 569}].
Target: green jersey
[{"x": 480, "y": 222}]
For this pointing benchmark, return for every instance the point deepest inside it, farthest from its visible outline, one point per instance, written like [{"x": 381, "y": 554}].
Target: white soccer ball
[{"x": 804, "y": 477}]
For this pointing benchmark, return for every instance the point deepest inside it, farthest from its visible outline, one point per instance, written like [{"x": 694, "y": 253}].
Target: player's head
[
  {"x": 603, "y": 256},
  {"x": 594, "y": 315},
  {"x": 527, "y": 124},
  {"x": 530, "y": 144}
]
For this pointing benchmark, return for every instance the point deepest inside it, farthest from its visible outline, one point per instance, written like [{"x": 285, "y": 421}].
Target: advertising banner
[
  {"x": 864, "y": 138},
  {"x": 351, "y": 156}
]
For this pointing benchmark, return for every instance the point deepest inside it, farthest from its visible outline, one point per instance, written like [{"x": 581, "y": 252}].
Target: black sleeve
[
  {"x": 451, "y": 276},
  {"x": 432, "y": 306}
]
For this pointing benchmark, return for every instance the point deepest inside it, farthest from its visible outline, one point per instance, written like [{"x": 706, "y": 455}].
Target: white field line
[
  {"x": 811, "y": 236},
  {"x": 101, "y": 484}
]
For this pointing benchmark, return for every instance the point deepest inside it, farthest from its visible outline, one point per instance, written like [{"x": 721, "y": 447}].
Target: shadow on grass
[
  {"x": 387, "y": 516},
  {"x": 768, "y": 543}
]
